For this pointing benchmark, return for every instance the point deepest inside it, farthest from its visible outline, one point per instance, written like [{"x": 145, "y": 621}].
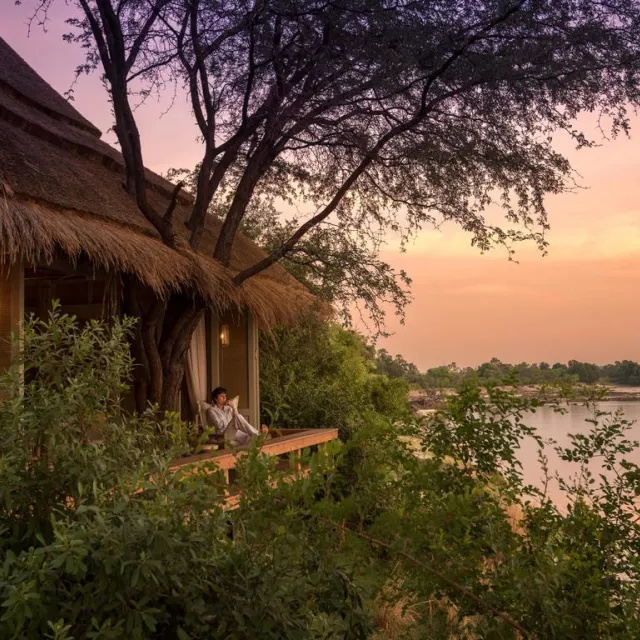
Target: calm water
[{"x": 557, "y": 426}]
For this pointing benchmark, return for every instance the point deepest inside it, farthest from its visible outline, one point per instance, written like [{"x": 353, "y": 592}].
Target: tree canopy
[
  {"x": 379, "y": 116},
  {"x": 625, "y": 372}
]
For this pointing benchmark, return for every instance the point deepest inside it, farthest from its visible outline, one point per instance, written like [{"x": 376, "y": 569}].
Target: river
[{"x": 558, "y": 426}]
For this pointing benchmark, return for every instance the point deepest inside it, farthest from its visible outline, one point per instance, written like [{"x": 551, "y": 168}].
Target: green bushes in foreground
[
  {"x": 99, "y": 540},
  {"x": 423, "y": 531}
]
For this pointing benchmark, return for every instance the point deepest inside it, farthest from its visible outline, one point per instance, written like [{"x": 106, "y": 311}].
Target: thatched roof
[{"x": 61, "y": 191}]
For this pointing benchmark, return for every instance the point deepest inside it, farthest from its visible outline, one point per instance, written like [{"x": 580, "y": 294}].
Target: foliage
[
  {"x": 573, "y": 571},
  {"x": 626, "y": 372},
  {"x": 319, "y": 374},
  {"x": 485, "y": 555},
  {"x": 442, "y": 509},
  {"x": 100, "y": 540},
  {"x": 477, "y": 553},
  {"x": 494, "y": 371},
  {"x": 343, "y": 269},
  {"x": 395, "y": 367}
]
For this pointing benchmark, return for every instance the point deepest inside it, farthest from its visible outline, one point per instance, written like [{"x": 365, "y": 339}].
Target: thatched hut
[{"x": 70, "y": 231}]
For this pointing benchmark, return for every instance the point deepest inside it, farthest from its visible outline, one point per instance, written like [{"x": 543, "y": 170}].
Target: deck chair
[{"x": 216, "y": 438}]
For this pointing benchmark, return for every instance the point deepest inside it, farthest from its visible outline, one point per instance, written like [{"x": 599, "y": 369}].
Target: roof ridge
[
  {"x": 27, "y": 85},
  {"x": 51, "y": 113},
  {"x": 52, "y": 131}
]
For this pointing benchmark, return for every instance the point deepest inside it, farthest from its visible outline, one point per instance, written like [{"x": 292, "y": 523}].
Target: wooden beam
[{"x": 214, "y": 351}]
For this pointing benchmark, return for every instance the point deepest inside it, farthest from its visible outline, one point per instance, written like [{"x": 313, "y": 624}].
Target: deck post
[
  {"x": 253, "y": 356},
  {"x": 214, "y": 351}
]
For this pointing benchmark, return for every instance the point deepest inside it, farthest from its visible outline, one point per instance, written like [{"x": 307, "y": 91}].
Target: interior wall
[
  {"x": 234, "y": 359},
  {"x": 81, "y": 295}
]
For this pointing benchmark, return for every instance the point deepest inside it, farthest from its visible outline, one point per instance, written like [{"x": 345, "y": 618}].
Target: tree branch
[
  {"x": 168, "y": 216},
  {"x": 142, "y": 36},
  {"x": 199, "y": 66},
  {"x": 250, "y": 74},
  {"x": 110, "y": 43},
  {"x": 425, "y": 108}
]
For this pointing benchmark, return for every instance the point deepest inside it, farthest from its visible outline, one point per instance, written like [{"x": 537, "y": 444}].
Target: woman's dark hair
[{"x": 216, "y": 392}]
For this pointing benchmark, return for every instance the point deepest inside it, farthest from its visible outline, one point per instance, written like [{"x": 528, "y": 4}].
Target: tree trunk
[
  {"x": 137, "y": 301},
  {"x": 170, "y": 399},
  {"x": 182, "y": 318},
  {"x": 162, "y": 338}
]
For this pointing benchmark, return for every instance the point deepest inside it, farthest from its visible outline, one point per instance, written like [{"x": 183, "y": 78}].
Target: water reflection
[{"x": 559, "y": 426}]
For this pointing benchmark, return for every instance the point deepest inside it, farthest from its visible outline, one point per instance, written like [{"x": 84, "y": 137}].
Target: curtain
[{"x": 196, "y": 369}]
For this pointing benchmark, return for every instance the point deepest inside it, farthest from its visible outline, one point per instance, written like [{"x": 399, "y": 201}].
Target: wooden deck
[{"x": 291, "y": 440}]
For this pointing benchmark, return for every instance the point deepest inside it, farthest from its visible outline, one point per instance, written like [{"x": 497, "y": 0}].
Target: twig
[{"x": 467, "y": 592}]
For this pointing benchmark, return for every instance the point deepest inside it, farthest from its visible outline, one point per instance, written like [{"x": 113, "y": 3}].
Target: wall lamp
[{"x": 225, "y": 335}]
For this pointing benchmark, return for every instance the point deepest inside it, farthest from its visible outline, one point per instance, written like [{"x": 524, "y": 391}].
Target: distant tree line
[{"x": 625, "y": 372}]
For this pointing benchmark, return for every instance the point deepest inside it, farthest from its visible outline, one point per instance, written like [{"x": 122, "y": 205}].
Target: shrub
[
  {"x": 319, "y": 374},
  {"x": 100, "y": 540}
]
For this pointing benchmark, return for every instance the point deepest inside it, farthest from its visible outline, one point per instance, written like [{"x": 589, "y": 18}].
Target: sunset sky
[{"x": 580, "y": 302}]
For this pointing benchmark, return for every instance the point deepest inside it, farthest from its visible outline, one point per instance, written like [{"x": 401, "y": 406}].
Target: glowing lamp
[{"x": 225, "y": 335}]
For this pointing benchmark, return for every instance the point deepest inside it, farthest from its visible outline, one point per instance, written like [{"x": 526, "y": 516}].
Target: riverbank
[{"x": 431, "y": 399}]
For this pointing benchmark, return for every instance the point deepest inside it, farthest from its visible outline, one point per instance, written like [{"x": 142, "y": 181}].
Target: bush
[
  {"x": 100, "y": 540},
  {"x": 485, "y": 554},
  {"x": 319, "y": 374}
]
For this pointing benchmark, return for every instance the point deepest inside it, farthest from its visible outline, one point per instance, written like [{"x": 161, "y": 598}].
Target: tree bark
[
  {"x": 183, "y": 318},
  {"x": 160, "y": 344},
  {"x": 135, "y": 297}
]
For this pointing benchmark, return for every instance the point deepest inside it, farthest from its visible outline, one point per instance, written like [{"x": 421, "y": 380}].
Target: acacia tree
[{"x": 379, "y": 115}]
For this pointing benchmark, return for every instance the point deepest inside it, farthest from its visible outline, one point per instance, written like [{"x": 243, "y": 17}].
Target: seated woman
[{"x": 226, "y": 419}]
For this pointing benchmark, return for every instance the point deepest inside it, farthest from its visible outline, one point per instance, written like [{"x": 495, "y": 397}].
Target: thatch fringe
[
  {"x": 61, "y": 190},
  {"x": 35, "y": 232}
]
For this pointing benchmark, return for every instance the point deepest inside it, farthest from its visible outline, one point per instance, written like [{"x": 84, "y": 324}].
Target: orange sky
[{"x": 581, "y": 301}]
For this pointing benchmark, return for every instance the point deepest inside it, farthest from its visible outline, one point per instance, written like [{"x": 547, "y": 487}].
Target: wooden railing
[{"x": 291, "y": 440}]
